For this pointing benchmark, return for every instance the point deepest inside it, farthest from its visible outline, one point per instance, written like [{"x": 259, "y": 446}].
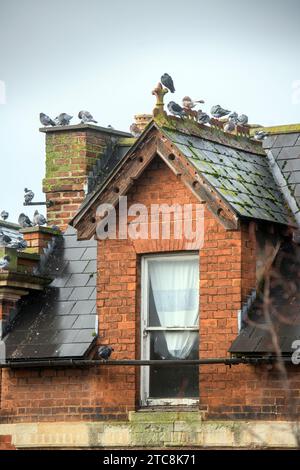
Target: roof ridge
[{"x": 193, "y": 128}]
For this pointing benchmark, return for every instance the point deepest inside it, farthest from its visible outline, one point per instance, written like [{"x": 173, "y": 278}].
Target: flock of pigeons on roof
[
  {"x": 220, "y": 117},
  {"x": 64, "y": 119},
  {"x": 230, "y": 124},
  {"x": 24, "y": 222}
]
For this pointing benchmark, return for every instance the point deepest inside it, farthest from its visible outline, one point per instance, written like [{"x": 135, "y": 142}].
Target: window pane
[
  {"x": 173, "y": 292},
  {"x": 173, "y": 381}
]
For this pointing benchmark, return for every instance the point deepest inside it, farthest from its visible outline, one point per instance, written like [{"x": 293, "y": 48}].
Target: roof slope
[
  {"x": 283, "y": 150},
  {"x": 60, "y": 321},
  {"x": 242, "y": 179},
  {"x": 11, "y": 230}
]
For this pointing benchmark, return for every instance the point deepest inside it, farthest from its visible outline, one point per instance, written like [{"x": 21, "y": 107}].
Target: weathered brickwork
[
  {"x": 227, "y": 275},
  {"x": 70, "y": 155}
]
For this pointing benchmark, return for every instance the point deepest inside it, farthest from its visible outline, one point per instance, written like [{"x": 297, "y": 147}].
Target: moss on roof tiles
[{"x": 241, "y": 177}]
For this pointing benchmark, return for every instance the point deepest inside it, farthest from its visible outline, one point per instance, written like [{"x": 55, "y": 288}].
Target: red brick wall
[
  {"x": 227, "y": 274},
  {"x": 5, "y": 443},
  {"x": 70, "y": 155}
]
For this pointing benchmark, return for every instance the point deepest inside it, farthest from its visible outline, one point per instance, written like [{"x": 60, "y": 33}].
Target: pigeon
[
  {"x": 4, "y": 262},
  {"x": 230, "y": 125},
  {"x": 234, "y": 116},
  {"x": 85, "y": 116},
  {"x": 39, "y": 219},
  {"x": 110, "y": 127},
  {"x": 135, "y": 130},
  {"x": 203, "y": 118},
  {"x": 46, "y": 120},
  {"x": 19, "y": 244},
  {"x": 63, "y": 119},
  {"x": 188, "y": 103},
  {"x": 104, "y": 352},
  {"x": 242, "y": 120},
  {"x": 217, "y": 111},
  {"x": 24, "y": 221},
  {"x": 4, "y": 215},
  {"x": 167, "y": 81},
  {"x": 28, "y": 196},
  {"x": 4, "y": 239},
  {"x": 260, "y": 135},
  {"x": 176, "y": 109}
]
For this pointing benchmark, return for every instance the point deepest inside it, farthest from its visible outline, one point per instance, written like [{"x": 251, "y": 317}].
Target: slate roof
[
  {"x": 61, "y": 321},
  {"x": 243, "y": 179},
  {"x": 112, "y": 155},
  {"x": 285, "y": 149},
  {"x": 10, "y": 229},
  {"x": 255, "y": 339}
]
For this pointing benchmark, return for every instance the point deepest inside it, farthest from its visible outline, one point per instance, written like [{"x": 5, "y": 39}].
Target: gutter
[{"x": 229, "y": 361}]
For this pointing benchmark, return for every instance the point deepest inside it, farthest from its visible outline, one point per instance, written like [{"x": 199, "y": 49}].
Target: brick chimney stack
[
  {"x": 142, "y": 120},
  {"x": 71, "y": 153}
]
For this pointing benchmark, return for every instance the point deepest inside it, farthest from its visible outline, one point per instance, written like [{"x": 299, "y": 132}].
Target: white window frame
[{"x": 145, "y": 337}]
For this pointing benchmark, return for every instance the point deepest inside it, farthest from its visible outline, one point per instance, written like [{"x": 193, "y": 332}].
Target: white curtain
[{"x": 175, "y": 287}]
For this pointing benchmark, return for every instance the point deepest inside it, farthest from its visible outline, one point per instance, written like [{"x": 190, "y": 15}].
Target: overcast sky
[{"x": 63, "y": 56}]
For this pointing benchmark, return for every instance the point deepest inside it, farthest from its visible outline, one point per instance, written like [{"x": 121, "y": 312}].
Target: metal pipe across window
[{"x": 139, "y": 362}]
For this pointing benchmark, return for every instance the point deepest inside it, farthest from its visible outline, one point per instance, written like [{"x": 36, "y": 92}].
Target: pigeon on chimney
[
  {"x": 85, "y": 117},
  {"x": 260, "y": 135},
  {"x": 188, "y": 103},
  {"x": 104, "y": 352},
  {"x": 135, "y": 130},
  {"x": 175, "y": 109},
  {"x": 38, "y": 219},
  {"x": 203, "y": 118},
  {"x": 24, "y": 221},
  {"x": 4, "y": 239},
  {"x": 4, "y": 262},
  {"x": 166, "y": 80},
  {"x": 19, "y": 244},
  {"x": 217, "y": 111},
  {"x": 28, "y": 196},
  {"x": 4, "y": 215},
  {"x": 46, "y": 120},
  {"x": 63, "y": 119}
]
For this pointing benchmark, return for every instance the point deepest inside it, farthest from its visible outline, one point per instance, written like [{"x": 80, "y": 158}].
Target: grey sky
[{"x": 63, "y": 56}]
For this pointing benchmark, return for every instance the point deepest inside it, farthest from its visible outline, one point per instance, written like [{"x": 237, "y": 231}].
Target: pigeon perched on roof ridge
[
  {"x": 175, "y": 109},
  {"x": 217, "y": 111},
  {"x": 4, "y": 215},
  {"x": 188, "y": 103},
  {"x": 242, "y": 119},
  {"x": 230, "y": 125},
  {"x": 85, "y": 117},
  {"x": 167, "y": 81},
  {"x": 28, "y": 196},
  {"x": 46, "y": 120},
  {"x": 39, "y": 219},
  {"x": 104, "y": 352},
  {"x": 63, "y": 119},
  {"x": 260, "y": 135},
  {"x": 203, "y": 118},
  {"x": 4, "y": 262},
  {"x": 24, "y": 221}
]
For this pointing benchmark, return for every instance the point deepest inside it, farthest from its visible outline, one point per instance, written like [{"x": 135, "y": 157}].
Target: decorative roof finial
[{"x": 159, "y": 92}]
